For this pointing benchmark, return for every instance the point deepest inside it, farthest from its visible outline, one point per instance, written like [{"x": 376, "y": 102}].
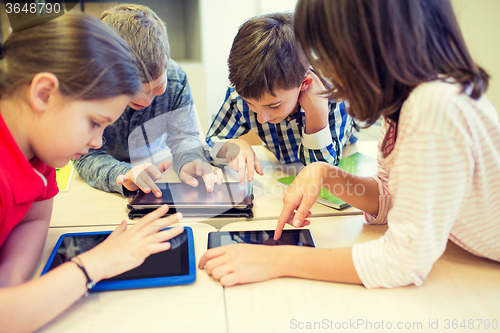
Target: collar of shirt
[{"x": 20, "y": 173}]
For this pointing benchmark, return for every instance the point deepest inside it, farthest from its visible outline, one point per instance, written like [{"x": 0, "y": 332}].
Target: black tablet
[
  {"x": 299, "y": 237},
  {"x": 181, "y": 195},
  {"x": 172, "y": 267}
]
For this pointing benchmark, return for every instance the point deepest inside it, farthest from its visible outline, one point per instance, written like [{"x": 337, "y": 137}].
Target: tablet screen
[
  {"x": 180, "y": 195},
  {"x": 172, "y": 262},
  {"x": 301, "y": 237}
]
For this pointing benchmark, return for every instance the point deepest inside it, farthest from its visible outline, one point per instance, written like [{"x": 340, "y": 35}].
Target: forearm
[
  {"x": 359, "y": 192},
  {"x": 26, "y": 241},
  {"x": 333, "y": 265},
  {"x": 316, "y": 121},
  {"x": 26, "y": 307},
  {"x": 100, "y": 170}
]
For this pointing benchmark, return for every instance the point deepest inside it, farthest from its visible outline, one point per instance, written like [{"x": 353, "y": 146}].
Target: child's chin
[{"x": 60, "y": 163}]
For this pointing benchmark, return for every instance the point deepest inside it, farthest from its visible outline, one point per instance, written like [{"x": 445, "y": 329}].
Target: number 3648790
[{"x": 32, "y": 8}]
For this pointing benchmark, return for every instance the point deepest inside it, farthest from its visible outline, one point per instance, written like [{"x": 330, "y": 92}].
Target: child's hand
[
  {"x": 126, "y": 249},
  {"x": 314, "y": 104},
  {"x": 240, "y": 155},
  {"x": 300, "y": 196},
  {"x": 199, "y": 168},
  {"x": 143, "y": 177},
  {"x": 241, "y": 263}
]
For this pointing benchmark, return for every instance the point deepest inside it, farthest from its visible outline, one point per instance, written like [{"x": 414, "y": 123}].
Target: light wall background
[{"x": 480, "y": 24}]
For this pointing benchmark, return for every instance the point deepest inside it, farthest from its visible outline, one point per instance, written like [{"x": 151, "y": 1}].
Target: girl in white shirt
[{"x": 439, "y": 149}]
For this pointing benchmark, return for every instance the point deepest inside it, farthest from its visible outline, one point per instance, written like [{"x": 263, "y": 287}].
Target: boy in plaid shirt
[{"x": 277, "y": 97}]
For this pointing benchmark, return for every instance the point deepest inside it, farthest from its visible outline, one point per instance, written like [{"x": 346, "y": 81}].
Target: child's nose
[
  {"x": 96, "y": 141},
  {"x": 262, "y": 117},
  {"x": 144, "y": 100}
]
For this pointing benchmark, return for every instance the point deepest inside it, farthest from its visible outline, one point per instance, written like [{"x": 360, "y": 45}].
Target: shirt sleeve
[
  {"x": 426, "y": 170},
  {"x": 183, "y": 137},
  {"x": 327, "y": 144},
  {"x": 228, "y": 124},
  {"x": 100, "y": 170},
  {"x": 50, "y": 175}
]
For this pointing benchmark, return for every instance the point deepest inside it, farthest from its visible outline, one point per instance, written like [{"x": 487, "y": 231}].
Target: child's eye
[
  {"x": 94, "y": 124},
  {"x": 275, "y": 106}
]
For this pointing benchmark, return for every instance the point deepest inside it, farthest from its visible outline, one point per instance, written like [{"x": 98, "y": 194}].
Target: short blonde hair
[{"x": 146, "y": 35}]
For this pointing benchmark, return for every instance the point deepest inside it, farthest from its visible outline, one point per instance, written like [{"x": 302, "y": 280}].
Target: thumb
[
  {"x": 119, "y": 230},
  {"x": 121, "y": 179}
]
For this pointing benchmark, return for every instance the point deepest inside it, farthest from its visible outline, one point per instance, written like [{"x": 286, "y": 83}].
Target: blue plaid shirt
[{"x": 284, "y": 139}]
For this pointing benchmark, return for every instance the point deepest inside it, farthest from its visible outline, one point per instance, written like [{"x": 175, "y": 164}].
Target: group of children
[{"x": 299, "y": 83}]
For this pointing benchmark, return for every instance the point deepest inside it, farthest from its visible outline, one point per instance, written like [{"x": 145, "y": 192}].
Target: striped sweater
[{"x": 439, "y": 180}]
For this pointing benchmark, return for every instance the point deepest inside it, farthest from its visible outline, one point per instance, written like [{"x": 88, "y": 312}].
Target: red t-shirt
[{"x": 22, "y": 182}]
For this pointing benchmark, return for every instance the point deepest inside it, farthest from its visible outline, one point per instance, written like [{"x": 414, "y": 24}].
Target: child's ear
[
  {"x": 43, "y": 87},
  {"x": 308, "y": 80}
]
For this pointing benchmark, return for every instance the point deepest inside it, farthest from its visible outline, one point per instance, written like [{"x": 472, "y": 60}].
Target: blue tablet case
[{"x": 141, "y": 282}]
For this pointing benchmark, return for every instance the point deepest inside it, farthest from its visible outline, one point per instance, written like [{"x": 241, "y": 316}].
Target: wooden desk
[
  {"x": 269, "y": 195},
  {"x": 460, "y": 287},
  {"x": 83, "y": 205},
  {"x": 198, "y": 307}
]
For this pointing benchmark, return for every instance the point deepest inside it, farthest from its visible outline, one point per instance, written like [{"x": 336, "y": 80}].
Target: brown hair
[
  {"x": 375, "y": 52},
  {"x": 90, "y": 60},
  {"x": 264, "y": 57},
  {"x": 146, "y": 35}
]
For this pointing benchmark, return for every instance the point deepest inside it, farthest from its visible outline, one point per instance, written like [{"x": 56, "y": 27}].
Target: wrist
[
  {"x": 316, "y": 121},
  {"x": 286, "y": 262},
  {"x": 89, "y": 282},
  {"x": 321, "y": 170},
  {"x": 93, "y": 266}
]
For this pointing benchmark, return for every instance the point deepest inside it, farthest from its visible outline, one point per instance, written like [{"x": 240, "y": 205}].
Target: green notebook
[{"x": 357, "y": 164}]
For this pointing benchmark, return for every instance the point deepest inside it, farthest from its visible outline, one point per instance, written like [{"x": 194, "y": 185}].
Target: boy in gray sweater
[{"x": 162, "y": 117}]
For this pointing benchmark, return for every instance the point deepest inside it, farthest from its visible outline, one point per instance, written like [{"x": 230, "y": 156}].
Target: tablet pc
[
  {"x": 299, "y": 237},
  {"x": 172, "y": 267},
  {"x": 180, "y": 195}
]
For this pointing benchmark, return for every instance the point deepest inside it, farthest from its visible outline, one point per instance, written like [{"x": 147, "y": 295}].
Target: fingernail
[
  {"x": 158, "y": 176},
  {"x": 296, "y": 223}
]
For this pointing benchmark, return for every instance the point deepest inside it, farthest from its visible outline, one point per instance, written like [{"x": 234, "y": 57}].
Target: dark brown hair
[
  {"x": 146, "y": 35},
  {"x": 375, "y": 52},
  {"x": 90, "y": 60},
  {"x": 264, "y": 57}
]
